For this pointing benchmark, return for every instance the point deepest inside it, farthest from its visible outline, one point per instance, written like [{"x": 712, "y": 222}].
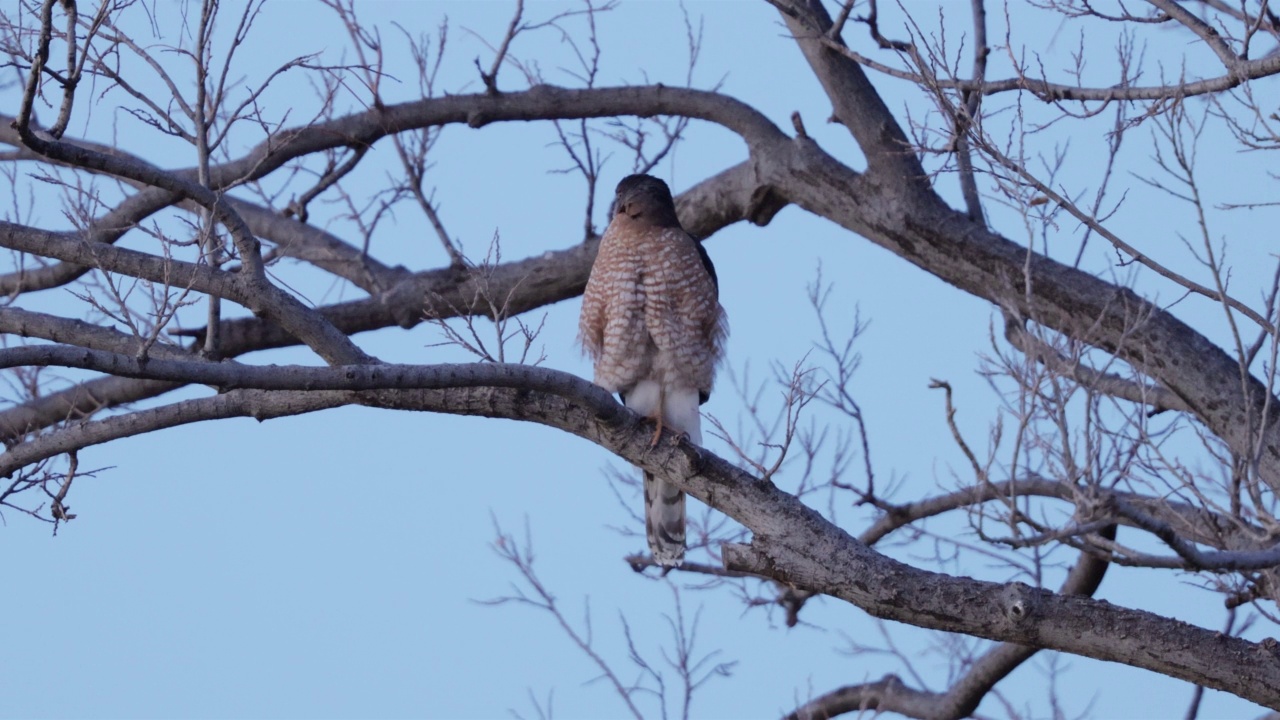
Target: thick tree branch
[
  {"x": 949, "y": 245},
  {"x": 964, "y": 696},
  {"x": 793, "y": 544},
  {"x": 1203, "y": 30},
  {"x": 917, "y": 226},
  {"x": 891, "y": 204},
  {"x": 1157, "y": 517},
  {"x": 857, "y": 105},
  {"x": 258, "y": 404},
  {"x": 723, "y": 199},
  {"x": 294, "y": 390},
  {"x": 300, "y": 241}
]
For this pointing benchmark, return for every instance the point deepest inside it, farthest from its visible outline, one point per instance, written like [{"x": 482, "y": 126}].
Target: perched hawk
[{"x": 652, "y": 322}]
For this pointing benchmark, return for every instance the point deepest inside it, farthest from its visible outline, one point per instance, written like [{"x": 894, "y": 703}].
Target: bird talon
[{"x": 657, "y": 434}]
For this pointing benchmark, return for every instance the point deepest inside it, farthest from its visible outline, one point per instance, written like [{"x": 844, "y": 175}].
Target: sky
[{"x": 336, "y": 564}]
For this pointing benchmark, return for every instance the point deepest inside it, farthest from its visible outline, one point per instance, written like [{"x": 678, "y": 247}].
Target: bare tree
[{"x": 1117, "y": 413}]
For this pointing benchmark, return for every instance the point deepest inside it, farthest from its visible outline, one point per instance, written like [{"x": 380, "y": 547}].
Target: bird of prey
[{"x": 652, "y": 323}]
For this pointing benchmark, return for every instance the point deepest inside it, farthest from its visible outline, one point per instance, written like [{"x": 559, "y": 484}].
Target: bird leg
[{"x": 657, "y": 432}]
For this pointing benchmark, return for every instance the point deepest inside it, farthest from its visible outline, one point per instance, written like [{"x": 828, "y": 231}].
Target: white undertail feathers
[{"x": 664, "y": 512}]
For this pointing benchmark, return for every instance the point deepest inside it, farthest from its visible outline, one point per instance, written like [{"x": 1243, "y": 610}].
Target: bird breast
[{"x": 652, "y": 309}]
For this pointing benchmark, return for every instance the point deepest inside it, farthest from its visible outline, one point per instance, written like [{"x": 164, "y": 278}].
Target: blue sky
[{"x": 329, "y": 565}]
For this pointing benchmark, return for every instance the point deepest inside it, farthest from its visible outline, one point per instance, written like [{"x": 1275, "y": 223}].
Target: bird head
[{"x": 646, "y": 198}]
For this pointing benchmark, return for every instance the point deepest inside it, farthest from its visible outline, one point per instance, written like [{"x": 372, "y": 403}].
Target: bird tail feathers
[
  {"x": 664, "y": 503},
  {"x": 664, "y": 520}
]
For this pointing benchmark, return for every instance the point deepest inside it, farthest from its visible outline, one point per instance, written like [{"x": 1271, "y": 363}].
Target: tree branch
[
  {"x": 535, "y": 282},
  {"x": 964, "y": 696},
  {"x": 857, "y": 105}
]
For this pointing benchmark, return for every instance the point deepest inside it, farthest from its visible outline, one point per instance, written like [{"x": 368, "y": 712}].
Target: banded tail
[{"x": 664, "y": 513}]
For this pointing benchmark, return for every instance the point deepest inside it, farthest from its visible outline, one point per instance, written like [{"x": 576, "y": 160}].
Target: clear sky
[{"x": 329, "y": 565}]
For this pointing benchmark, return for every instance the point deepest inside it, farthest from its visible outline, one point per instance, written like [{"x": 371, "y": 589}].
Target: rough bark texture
[
  {"x": 792, "y": 543},
  {"x": 890, "y": 202}
]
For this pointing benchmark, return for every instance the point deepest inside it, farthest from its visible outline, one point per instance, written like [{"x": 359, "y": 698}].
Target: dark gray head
[{"x": 645, "y": 197}]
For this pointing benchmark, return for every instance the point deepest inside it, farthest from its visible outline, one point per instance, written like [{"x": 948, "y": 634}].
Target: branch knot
[{"x": 1018, "y": 601}]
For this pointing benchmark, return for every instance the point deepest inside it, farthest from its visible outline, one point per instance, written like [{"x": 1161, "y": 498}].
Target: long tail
[{"x": 664, "y": 513}]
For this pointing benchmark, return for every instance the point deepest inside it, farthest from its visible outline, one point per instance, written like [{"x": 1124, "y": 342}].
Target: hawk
[{"x": 652, "y": 323}]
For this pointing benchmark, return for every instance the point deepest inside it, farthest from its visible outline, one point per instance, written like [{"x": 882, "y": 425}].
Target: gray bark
[{"x": 889, "y": 202}]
